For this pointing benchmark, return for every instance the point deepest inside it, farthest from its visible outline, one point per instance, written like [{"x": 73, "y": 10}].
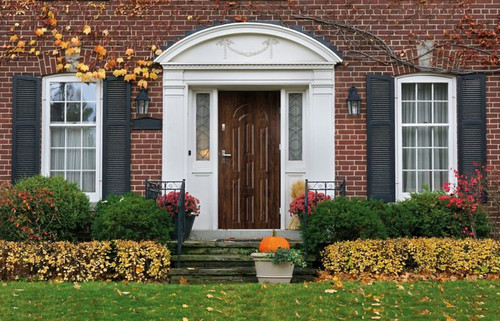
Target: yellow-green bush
[
  {"x": 422, "y": 255},
  {"x": 89, "y": 261}
]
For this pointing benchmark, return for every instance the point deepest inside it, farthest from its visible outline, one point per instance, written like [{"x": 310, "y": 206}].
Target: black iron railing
[
  {"x": 329, "y": 188},
  {"x": 155, "y": 189}
]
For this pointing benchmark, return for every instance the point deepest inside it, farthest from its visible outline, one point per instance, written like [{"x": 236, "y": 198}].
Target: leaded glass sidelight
[
  {"x": 202, "y": 126},
  {"x": 295, "y": 113}
]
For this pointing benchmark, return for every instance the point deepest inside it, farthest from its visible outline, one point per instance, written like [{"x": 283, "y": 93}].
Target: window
[
  {"x": 203, "y": 126},
  {"x": 295, "y": 114},
  {"x": 425, "y": 133},
  {"x": 71, "y": 132}
]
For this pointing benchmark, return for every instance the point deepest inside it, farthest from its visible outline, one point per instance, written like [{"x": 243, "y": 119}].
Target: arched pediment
[{"x": 248, "y": 43}]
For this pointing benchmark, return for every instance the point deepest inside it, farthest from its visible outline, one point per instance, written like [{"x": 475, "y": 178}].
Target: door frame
[{"x": 296, "y": 62}]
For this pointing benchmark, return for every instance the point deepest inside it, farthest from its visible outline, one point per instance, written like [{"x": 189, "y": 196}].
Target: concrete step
[{"x": 230, "y": 275}]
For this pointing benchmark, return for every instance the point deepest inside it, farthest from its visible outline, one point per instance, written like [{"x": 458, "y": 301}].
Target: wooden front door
[{"x": 249, "y": 159}]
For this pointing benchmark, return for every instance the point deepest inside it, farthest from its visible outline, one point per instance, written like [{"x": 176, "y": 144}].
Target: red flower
[
  {"x": 170, "y": 203},
  {"x": 297, "y": 206}
]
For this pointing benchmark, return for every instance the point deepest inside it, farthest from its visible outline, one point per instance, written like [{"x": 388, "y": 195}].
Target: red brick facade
[{"x": 139, "y": 24}]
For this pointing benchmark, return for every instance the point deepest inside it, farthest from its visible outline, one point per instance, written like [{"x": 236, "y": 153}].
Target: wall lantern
[
  {"x": 142, "y": 102},
  {"x": 353, "y": 102}
]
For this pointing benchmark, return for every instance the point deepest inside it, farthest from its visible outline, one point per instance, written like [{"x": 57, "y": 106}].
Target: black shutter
[
  {"x": 116, "y": 137},
  {"x": 26, "y": 112},
  {"x": 471, "y": 105},
  {"x": 380, "y": 137}
]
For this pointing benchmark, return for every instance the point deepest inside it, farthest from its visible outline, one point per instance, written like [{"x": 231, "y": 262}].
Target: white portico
[{"x": 248, "y": 109}]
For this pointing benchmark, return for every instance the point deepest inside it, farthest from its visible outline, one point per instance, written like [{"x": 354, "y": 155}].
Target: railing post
[
  {"x": 181, "y": 213},
  {"x": 306, "y": 214}
]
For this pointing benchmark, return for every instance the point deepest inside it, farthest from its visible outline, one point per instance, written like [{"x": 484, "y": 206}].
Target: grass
[{"x": 424, "y": 300}]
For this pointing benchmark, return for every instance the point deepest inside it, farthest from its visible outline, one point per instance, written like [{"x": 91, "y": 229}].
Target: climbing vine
[{"x": 91, "y": 49}]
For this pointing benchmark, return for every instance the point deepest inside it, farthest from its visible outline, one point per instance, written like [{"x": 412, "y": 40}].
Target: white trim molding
[{"x": 254, "y": 57}]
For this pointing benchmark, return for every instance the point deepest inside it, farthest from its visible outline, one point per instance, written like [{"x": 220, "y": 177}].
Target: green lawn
[{"x": 459, "y": 300}]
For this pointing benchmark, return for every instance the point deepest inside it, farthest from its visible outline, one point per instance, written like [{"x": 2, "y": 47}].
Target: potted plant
[
  {"x": 275, "y": 261},
  {"x": 170, "y": 202}
]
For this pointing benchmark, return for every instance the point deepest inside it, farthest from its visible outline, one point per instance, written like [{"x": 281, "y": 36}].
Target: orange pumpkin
[{"x": 272, "y": 243}]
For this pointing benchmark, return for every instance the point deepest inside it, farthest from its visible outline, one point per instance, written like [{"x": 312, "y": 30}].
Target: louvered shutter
[
  {"x": 471, "y": 105},
  {"x": 26, "y": 112},
  {"x": 380, "y": 137},
  {"x": 116, "y": 137}
]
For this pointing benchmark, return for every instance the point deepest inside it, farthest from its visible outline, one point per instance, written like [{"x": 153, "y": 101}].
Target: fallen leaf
[
  {"x": 400, "y": 287},
  {"x": 211, "y": 296},
  {"x": 425, "y": 312},
  {"x": 330, "y": 290},
  {"x": 210, "y": 309},
  {"x": 448, "y": 318},
  {"x": 448, "y": 304},
  {"x": 186, "y": 319},
  {"x": 76, "y": 286},
  {"x": 187, "y": 306},
  {"x": 374, "y": 318},
  {"x": 4, "y": 284},
  {"x": 119, "y": 292},
  {"x": 183, "y": 281},
  {"x": 339, "y": 284},
  {"x": 296, "y": 313},
  {"x": 297, "y": 301},
  {"x": 440, "y": 287},
  {"x": 424, "y": 299}
]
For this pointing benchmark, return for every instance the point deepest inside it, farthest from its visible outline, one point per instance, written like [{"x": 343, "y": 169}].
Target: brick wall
[{"x": 402, "y": 24}]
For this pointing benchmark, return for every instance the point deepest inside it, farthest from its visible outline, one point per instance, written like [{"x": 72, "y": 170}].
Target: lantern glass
[
  {"x": 142, "y": 102},
  {"x": 353, "y": 102}
]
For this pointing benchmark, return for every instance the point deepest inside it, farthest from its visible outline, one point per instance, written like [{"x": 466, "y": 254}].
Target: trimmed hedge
[
  {"x": 421, "y": 255},
  {"x": 89, "y": 261}
]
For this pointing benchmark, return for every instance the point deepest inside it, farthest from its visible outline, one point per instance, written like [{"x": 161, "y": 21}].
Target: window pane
[
  {"x": 73, "y": 177},
  {"x": 441, "y": 136},
  {"x": 439, "y": 179},
  {"x": 74, "y": 137},
  {"x": 424, "y": 181},
  {"x": 89, "y": 91},
  {"x": 89, "y": 113},
  {"x": 424, "y": 159},
  {"x": 89, "y": 136},
  {"x": 409, "y": 159},
  {"x": 57, "y": 112},
  {"x": 440, "y": 159},
  {"x": 424, "y": 113},
  {"x": 441, "y": 91},
  {"x": 56, "y": 137},
  {"x": 424, "y": 136},
  {"x": 408, "y": 92},
  {"x": 57, "y": 159},
  {"x": 441, "y": 113},
  {"x": 73, "y": 112},
  {"x": 202, "y": 126},
  {"x": 73, "y": 159},
  {"x": 88, "y": 182},
  {"x": 295, "y": 126},
  {"x": 73, "y": 91},
  {"x": 409, "y": 137},
  {"x": 424, "y": 91},
  {"x": 408, "y": 113},
  {"x": 89, "y": 159},
  {"x": 57, "y": 91},
  {"x": 53, "y": 173},
  {"x": 409, "y": 182}
]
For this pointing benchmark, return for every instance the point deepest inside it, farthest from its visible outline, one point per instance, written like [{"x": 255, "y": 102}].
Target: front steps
[{"x": 223, "y": 261}]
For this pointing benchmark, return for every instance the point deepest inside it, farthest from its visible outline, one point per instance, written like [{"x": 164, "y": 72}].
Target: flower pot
[
  {"x": 188, "y": 226},
  {"x": 269, "y": 272}
]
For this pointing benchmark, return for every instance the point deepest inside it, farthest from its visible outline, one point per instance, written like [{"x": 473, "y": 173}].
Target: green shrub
[
  {"x": 343, "y": 219},
  {"x": 426, "y": 215},
  {"x": 45, "y": 208},
  {"x": 131, "y": 217}
]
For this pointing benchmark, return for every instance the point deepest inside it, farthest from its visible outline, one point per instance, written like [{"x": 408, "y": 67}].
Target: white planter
[{"x": 269, "y": 272}]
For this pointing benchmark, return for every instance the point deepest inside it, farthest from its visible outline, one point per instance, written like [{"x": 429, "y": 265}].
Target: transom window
[
  {"x": 71, "y": 131},
  {"x": 426, "y": 133}
]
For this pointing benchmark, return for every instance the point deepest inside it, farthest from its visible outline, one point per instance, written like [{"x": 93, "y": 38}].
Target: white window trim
[
  {"x": 45, "y": 166},
  {"x": 452, "y": 137}
]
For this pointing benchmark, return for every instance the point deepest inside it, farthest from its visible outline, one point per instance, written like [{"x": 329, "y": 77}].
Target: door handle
[{"x": 224, "y": 153}]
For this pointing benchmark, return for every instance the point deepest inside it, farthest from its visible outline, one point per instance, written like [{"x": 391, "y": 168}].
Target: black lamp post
[
  {"x": 353, "y": 102},
  {"x": 142, "y": 102}
]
